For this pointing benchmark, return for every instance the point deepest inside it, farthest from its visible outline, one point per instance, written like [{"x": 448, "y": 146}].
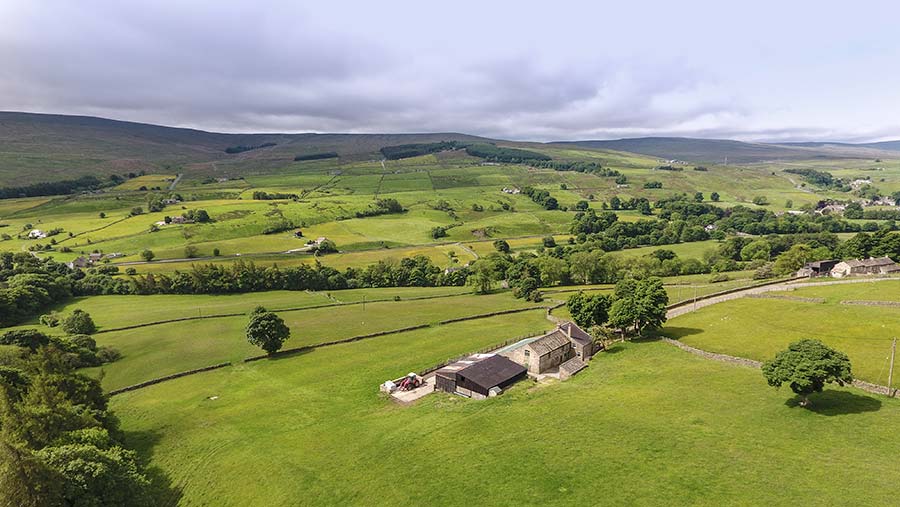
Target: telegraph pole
[{"x": 891, "y": 369}]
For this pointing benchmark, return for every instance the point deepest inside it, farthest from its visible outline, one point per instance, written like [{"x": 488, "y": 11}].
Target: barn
[{"x": 477, "y": 376}]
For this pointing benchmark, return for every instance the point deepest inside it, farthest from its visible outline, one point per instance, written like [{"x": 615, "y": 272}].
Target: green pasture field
[
  {"x": 439, "y": 255},
  {"x": 759, "y": 328},
  {"x": 110, "y": 312},
  {"x": 162, "y": 349},
  {"x": 162, "y": 181},
  {"x": 665, "y": 427}
]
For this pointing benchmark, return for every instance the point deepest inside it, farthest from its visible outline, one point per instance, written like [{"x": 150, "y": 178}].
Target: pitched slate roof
[
  {"x": 576, "y": 332},
  {"x": 550, "y": 341},
  {"x": 573, "y": 366},
  {"x": 870, "y": 262},
  {"x": 492, "y": 371}
]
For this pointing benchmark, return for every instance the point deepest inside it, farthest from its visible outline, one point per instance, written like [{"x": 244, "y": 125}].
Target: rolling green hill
[
  {"x": 48, "y": 147},
  {"x": 738, "y": 152}
]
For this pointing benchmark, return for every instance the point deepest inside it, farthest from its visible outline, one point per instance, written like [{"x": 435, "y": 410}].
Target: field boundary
[
  {"x": 895, "y": 304},
  {"x": 742, "y": 361},
  {"x": 307, "y": 348},
  {"x": 294, "y": 309},
  {"x": 752, "y": 363},
  {"x": 297, "y": 350},
  {"x": 158, "y": 380}
]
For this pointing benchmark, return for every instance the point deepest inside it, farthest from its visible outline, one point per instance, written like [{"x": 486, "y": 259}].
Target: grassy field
[
  {"x": 162, "y": 349},
  {"x": 645, "y": 425},
  {"x": 759, "y": 328}
]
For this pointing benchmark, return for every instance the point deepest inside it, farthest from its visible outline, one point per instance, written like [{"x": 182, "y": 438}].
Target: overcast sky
[{"x": 761, "y": 70}]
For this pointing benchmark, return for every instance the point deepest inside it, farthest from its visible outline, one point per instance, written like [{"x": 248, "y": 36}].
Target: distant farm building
[
  {"x": 818, "y": 268},
  {"x": 871, "y": 266},
  {"x": 80, "y": 262},
  {"x": 479, "y": 376},
  {"x": 549, "y": 352},
  {"x": 37, "y": 234}
]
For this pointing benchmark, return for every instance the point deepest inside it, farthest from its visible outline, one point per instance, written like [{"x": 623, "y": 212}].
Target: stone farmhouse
[
  {"x": 870, "y": 266},
  {"x": 565, "y": 349}
]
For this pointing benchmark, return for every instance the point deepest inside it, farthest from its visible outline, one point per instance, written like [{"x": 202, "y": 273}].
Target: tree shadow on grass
[
  {"x": 832, "y": 402},
  {"x": 161, "y": 490},
  {"x": 677, "y": 333},
  {"x": 614, "y": 349}
]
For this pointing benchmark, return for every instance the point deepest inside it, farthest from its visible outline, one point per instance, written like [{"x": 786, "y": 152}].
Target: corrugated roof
[{"x": 492, "y": 371}]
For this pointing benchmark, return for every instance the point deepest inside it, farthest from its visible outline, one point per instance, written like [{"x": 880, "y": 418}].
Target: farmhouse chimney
[{"x": 568, "y": 330}]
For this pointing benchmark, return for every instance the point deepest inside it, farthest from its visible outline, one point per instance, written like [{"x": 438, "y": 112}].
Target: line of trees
[
  {"x": 418, "y": 149},
  {"x": 493, "y": 153},
  {"x": 231, "y": 150},
  {"x": 316, "y": 156},
  {"x": 64, "y": 187},
  {"x": 541, "y": 197}
]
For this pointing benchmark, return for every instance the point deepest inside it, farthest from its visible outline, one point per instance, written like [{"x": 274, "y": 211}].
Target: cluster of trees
[
  {"x": 820, "y": 179},
  {"x": 653, "y": 184},
  {"x": 418, "y": 149},
  {"x": 880, "y": 244},
  {"x": 63, "y": 187},
  {"x": 493, "y": 153},
  {"x": 316, "y": 156},
  {"x": 381, "y": 207},
  {"x": 260, "y": 195},
  {"x": 231, "y": 150},
  {"x": 541, "y": 197},
  {"x": 854, "y": 210},
  {"x": 76, "y": 350},
  {"x": 670, "y": 168},
  {"x": 637, "y": 203},
  {"x": 635, "y": 306},
  {"x": 59, "y": 442}
]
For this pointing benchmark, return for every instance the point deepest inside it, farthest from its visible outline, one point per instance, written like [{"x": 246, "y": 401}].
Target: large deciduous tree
[
  {"x": 267, "y": 330},
  {"x": 806, "y": 366}
]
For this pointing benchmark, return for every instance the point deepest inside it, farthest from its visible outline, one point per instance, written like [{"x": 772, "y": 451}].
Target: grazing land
[
  {"x": 665, "y": 426},
  {"x": 758, "y": 328}
]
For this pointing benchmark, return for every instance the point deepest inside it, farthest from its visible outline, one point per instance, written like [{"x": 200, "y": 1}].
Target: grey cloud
[{"x": 278, "y": 65}]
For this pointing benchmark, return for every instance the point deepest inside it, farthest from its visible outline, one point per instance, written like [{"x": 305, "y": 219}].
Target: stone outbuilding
[{"x": 548, "y": 352}]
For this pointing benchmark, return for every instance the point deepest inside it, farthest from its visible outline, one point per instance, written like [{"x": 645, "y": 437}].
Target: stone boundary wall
[
  {"x": 750, "y": 363},
  {"x": 894, "y": 304},
  {"x": 167, "y": 377},
  {"x": 293, "y": 309},
  {"x": 786, "y": 298}
]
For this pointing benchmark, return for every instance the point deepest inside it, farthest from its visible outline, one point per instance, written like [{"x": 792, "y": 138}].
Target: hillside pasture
[
  {"x": 759, "y": 328},
  {"x": 314, "y": 427},
  {"x": 162, "y": 349}
]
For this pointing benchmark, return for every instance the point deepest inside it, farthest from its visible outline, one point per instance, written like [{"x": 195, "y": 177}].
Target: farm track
[{"x": 175, "y": 182}]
